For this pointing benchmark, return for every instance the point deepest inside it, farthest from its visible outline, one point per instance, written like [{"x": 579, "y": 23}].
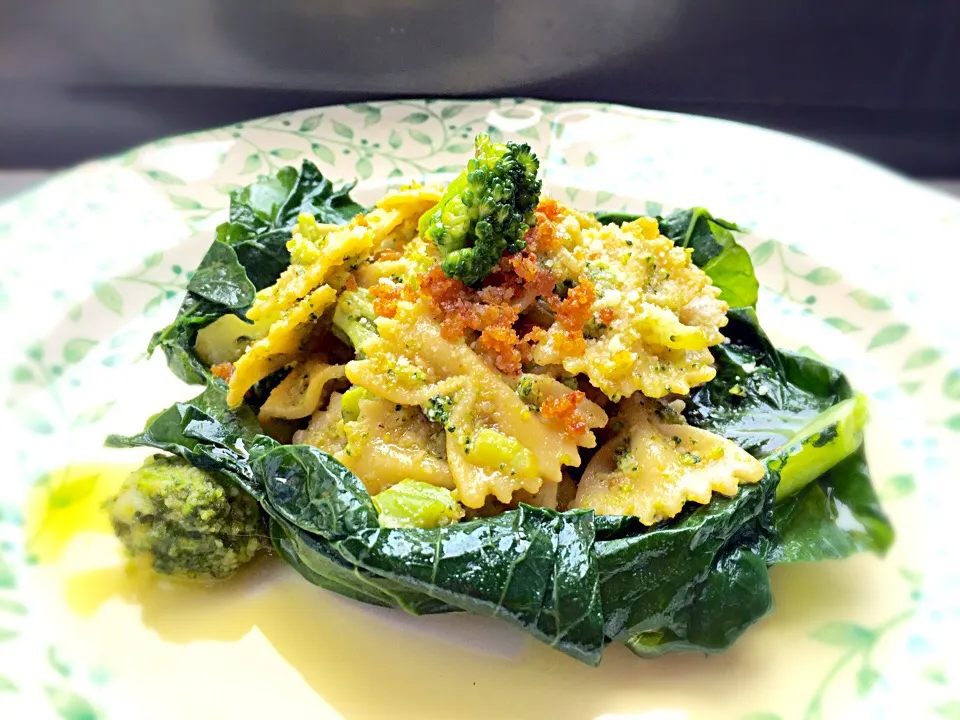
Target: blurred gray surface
[{"x": 81, "y": 79}]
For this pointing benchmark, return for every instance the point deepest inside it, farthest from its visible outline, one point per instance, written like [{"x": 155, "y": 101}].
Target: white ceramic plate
[{"x": 857, "y": 264}]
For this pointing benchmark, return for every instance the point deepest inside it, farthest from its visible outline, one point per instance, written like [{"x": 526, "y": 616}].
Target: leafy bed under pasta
[{"x": 575, "y": 580}]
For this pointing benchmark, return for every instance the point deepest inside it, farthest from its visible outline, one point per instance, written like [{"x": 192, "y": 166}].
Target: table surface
[{"x": 15, "y": 181}]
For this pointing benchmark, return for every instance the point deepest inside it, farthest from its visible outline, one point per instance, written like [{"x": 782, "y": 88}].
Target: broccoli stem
[{"x": 353, "y": 318}]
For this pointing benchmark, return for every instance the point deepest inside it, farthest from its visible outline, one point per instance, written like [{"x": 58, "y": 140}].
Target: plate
[{"x": 855, "y": 264}]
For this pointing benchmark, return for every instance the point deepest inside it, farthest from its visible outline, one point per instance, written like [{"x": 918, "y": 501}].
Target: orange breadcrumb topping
[
  {"x": 572, "y": 314},
  {"x": 224, "y": 371},
  {"x": 388, "y": 254},
  {"x": 493, "y": 310},
  {"x": 607, "y": 315},
  {"x": 350, "y": 283},
  {"x": 564, "y": 409},
  {"x": 386, "y": 296},
  {"x": 542, "y": 237}
]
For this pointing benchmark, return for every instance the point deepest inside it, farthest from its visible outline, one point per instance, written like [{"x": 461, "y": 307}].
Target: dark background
[{"x": 80, "y": 78}]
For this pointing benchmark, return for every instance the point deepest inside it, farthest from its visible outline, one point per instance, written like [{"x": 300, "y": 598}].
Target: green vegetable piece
[
  {"x": 485, "y": 211},
  {"x": 249, "y": 254},
  {"x": 184, "y": 521},
  {"x": 716, "y": 251},
  {"x": 225, "y": 339},
  {"x": 824, "y": 442},
  {"x": 353, "y": 318},
  {"x": 438, "y": 409},
  {"x": 416, "y": 504},
  {"x": 350, "y": 402}
]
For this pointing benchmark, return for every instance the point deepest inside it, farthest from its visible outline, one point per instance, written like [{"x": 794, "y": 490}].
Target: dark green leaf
[
  {"x": 761, "y": 396},
  {"x": 417, "y": 118},
  {"x": 716, "y": 251},
  {"x": 204, "y": 431},
  {"x": 708, "y": 568},
  {"x": 249, "y": 254},
  {"x": 776, "y": 393},
  {"x": 833, "y": 518},
  {"x": 530, "y": 566}
]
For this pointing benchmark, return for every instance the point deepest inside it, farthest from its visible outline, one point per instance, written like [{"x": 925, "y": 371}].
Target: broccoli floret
[
  {"x": 485, "y": 211},
  {"x": 184, "y": 521},
  {"x": 353, "y": 318}
]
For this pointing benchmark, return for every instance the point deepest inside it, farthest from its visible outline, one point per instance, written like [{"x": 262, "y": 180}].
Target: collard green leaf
[
  {"x": 530, "y": 565},
  {"x": 833, "y": 518},
  {"x": 761, "y": 399},
  {"x": 206, "y": 432},
  {"x": 695, "y": 583},
  {"x": 715, "y": 251},
  {"x": 761, "y": 396},
  {"x": 249, "y": 253}
]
